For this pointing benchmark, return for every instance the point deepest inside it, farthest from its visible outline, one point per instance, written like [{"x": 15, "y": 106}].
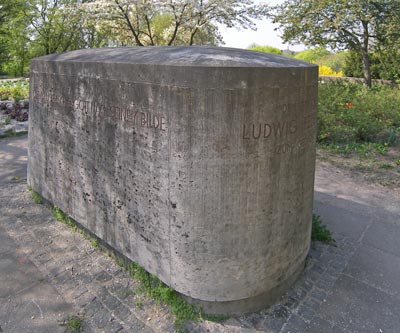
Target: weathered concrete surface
[
  {"x": 48, "y": 272},
  {"x": 350, "y": 287},
  {"x": 198, "y": 163}
]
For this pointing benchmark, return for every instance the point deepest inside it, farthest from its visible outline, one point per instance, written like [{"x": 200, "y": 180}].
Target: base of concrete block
[{"x": 251, "y": 304}]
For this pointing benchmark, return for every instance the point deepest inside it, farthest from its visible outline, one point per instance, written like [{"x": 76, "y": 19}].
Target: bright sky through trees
[{"x": 265, "y": 34}]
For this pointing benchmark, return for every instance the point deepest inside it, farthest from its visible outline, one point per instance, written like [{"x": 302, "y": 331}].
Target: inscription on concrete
[
  {"x": 136, "y": 118},
  {"x": 197, "y": 163},
  {"x": 264, "y": 131}
]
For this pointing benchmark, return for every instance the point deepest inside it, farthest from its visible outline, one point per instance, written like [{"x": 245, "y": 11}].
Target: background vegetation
[
  {"x": 31, "y": 28},
  {"x": 16, "y": 90},
  {"x": 366, "y": 28},
  {"x": 349, "y": 112}
]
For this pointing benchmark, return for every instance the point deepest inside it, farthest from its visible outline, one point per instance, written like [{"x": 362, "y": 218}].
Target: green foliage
[
  {"x": 385, "y": 64},
  {"x": 153, "y": 287},
  {"x": 363, "y": 150},
  {"x": 266, "y": 49},
  {"x": 33, "y": 28},
  {"x": 353, "y": 65},
  {"x": 73, "y": 324},
  {"x": 14, "y": 89},
  {"x": 215, "y": 318},
  {"x": 323, "y": 58},
  {"x": 17, "y": 93},
  {"x": 386, "y": 166},
  {"x": 336, "y": 61},
  {"x": 36, "y": 197},
  {"x": 350, "y": 113},
  {"x": 313, "y": 55},
  {"x": 340, "y": 24},
  {"x": 161, "y": 22},
  {"x": 60, "y": 216},
  {"x": 95, "y": 243},
  {"x": 14, "y": 41},
  {"x": 319, "y": 231}
]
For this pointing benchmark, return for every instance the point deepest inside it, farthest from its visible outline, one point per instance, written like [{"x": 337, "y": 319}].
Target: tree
[
  {"x": 14, "y": 40},
  {"x": 359, "y": 25},
  {"x": 55, "y": 25},
  {"x": 8, "y": 9},
  {"x": 172, "y": 22},
  {"x": 385, "y": 64},
  {"x": 36, "y": 27},
  {"x": 313, "y": 55},
  {"x": 266, "y": 49}
]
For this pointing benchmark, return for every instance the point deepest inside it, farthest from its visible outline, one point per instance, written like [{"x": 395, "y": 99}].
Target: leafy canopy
[
  {"x": 172, "y": 22},
  {"x": 359, "y": 25}
]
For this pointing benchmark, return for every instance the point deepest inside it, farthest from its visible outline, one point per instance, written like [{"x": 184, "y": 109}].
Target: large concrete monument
[{"x": 195, "y": 162}]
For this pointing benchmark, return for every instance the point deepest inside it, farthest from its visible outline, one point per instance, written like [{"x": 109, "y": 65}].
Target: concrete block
[{"x": 195, "y": 162}]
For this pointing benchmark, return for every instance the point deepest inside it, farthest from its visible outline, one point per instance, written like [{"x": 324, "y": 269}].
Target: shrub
[
  {"x": 313, "y": 55},
  {"x": 325, "y": 70},
  {"x": 319, "y": 231},
  {"x": 266, "y": 49},
  {"x": 349, "y": 112},
  {"x": 14, "y": 89}
]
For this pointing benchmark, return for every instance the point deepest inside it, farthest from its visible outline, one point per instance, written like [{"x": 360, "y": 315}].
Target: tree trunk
[
  {"x": 365, "y": 55},
  {"x": 174, "y": 34},
  {"x": 192, "y": 36},
  {"x": 366, "y": 68}
]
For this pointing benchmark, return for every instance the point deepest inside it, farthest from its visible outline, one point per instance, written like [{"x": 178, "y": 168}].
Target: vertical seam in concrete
[{"x": 169, "y": 199}]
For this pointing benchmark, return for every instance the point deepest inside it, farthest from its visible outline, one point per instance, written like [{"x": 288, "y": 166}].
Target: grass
[
  {"x": 320, "y": 232},
  {"x": 150, "y": 285},
  {"x": 36, "y": 197},
  {"x": 95, "y": 243},
  {"x": 73, "y": 324},
  {"x": 362, "y": 150},
  {"x": 60, "y": 216}
]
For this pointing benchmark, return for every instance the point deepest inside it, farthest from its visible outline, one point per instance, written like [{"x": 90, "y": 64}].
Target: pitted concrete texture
[
  {"x": 48, "y": 272},
  {"x": 350, "y": 287},
  {"x": 195, "y": 162}
]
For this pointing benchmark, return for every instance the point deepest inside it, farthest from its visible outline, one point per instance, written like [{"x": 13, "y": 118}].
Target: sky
[{"x": 265, "y": 34}]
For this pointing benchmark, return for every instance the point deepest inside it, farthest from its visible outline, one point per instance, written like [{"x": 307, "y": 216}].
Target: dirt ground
[{"x": 375, "y": 169}]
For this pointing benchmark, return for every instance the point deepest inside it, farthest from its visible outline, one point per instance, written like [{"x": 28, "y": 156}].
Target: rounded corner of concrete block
[{"x": 249, "y": 304}]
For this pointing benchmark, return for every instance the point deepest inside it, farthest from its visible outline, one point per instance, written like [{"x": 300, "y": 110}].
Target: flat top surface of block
[{"x": 196, "y": 56}]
